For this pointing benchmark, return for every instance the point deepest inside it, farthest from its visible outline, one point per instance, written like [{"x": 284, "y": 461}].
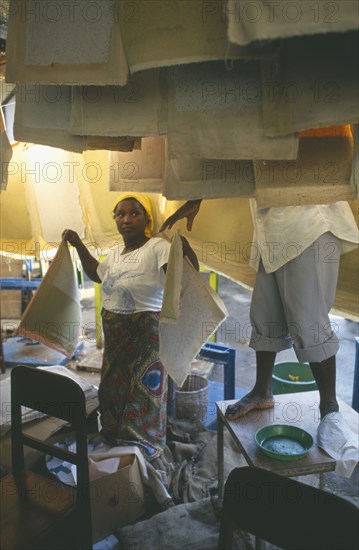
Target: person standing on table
[
  {"x": 133, "y": 386},
  {"x": 296, "y": 252}
]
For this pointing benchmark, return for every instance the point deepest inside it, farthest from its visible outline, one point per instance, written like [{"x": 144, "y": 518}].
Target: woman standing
[{"x": 133, "y": 388}]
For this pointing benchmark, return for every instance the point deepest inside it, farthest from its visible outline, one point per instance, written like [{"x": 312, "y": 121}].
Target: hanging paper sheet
[
  {"x": 65, "y": 43},
  {"x": 53, "y": 316},
  {"x": 249, "y": 21},
  {"x": 215, "y": 112},
  {"x": 191, "y": 312}
]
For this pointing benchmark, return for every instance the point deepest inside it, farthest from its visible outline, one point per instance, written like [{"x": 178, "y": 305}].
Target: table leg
[{"x": 220, "y": 455}]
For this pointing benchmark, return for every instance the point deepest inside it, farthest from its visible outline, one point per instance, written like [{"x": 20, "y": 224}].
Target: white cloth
[
  {"x": 340, "y": 442},
  {"x": 134, "y": 282},
  {"x": 282, "y": 233},
  {"x": 200, "y": 313}
]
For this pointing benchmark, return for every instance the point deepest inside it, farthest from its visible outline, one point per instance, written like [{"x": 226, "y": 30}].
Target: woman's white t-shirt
[{"x": 134, "y": 282}]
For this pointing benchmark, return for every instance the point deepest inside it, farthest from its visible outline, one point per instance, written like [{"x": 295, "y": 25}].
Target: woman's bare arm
[
  {"x": 88, "y": 262},
  {"x": 190, "y": 253}
]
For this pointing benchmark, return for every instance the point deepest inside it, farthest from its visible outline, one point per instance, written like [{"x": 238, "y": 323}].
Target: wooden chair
[
  {"x": 37, "y": 511},
  {"x": 286, "y": 512}
]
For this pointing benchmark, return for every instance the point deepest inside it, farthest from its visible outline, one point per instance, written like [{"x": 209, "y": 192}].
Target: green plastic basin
[
  {"x": 283, "y": 442},
  {"x": 292, "y": 378}
]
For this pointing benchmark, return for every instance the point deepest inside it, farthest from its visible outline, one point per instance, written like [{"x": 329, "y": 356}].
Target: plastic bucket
[
  {"x": 192, "y": 398},
  {"x": 292, "y": 378}
]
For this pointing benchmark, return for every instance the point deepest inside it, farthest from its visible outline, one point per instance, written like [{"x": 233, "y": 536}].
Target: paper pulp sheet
[
  {"x": 65, "y": 43},
  {"x": 217, "y": 113},
  {"x": 17, "y": 231},
  {"x": 92, "y": 177},
  {"x": 53, "y": 316},
  {"x": 355, "y": 169},
  {"x": 97, "y": 200},
  {"x": 42, "y": 115},
  {"x": 5, "y": 154},
  {"x": 41, "y": 200},
  {"x": 173, "y": 282},
  {"x": 142, "y": 170},
  {"x": 107, "y": 143},
  {"x": 200, "y": 312},
  {"x": 208, "y": 178},
  {"x": 131, "y": 110},
  {"x": 221, "y": 236},
  {"x": 313, "y": 84},
  {"x": 56, "y": 195},
  {"x": 320, "y": 175},
  {"x": 263, "y": 20},
  {"x": 158, "y": 33}
]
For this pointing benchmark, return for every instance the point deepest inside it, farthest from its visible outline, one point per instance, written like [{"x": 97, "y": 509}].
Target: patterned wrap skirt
[{"x": 133, "y": 387}]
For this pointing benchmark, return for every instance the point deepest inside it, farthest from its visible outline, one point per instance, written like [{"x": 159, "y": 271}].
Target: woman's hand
[
  {"x": 71, "y": 236},
  {"x": 188, "y": 210}
]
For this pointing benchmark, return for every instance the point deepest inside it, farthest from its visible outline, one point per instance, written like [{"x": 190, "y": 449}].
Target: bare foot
[{"x": 249, "y": 402}]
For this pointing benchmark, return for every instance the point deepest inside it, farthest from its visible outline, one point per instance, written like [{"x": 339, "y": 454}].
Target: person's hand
[
  {"x": 188, "y": 210},
  {"x": 71, "y": 236}
]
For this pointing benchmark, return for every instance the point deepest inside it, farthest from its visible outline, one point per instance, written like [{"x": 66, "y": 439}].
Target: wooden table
[{"x": 295, "y": 409}]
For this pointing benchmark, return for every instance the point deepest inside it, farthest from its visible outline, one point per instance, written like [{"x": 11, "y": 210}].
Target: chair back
[
  {"x": 56, "y": 396},
  {"x": 286, "y": 512}
]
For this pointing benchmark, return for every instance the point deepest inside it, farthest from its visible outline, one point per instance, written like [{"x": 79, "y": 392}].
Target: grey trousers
[{"x": 290, "y": 306}]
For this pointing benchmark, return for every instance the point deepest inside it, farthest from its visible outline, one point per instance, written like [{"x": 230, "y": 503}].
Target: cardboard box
[{"x": 116, "y": 499}]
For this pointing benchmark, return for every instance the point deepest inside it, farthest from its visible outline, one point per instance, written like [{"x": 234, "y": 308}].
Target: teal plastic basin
[{"x": 283, "y": 442}]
